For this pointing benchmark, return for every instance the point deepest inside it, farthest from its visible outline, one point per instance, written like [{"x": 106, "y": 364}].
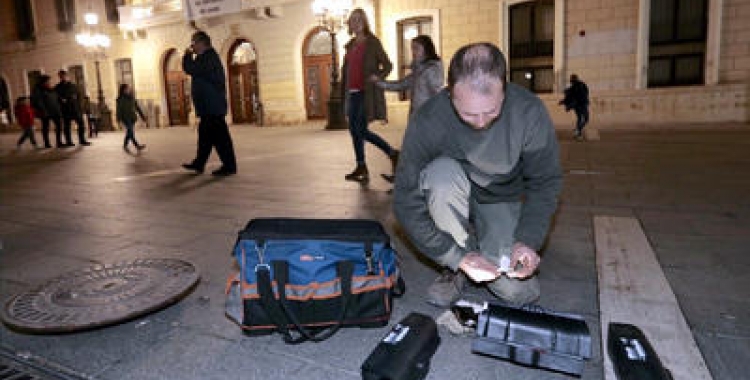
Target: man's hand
[
  {"x": 478, "y": 268},
  {"x": 527, "y": 258}
]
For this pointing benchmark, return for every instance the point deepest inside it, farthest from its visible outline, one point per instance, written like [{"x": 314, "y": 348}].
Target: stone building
[{"x": 646, "y": 61}]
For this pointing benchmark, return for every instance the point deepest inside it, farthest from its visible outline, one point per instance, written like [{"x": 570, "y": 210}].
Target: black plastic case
[
  {"x": 534, "y": 337},
  {"x": 633, "y": 357},
  {"x": 405, "y": 352}
]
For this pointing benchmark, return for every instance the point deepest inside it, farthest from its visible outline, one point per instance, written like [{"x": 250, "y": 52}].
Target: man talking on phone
[
  {"x": 478, "y": 179},
  {"x": 209, "y": 93}
]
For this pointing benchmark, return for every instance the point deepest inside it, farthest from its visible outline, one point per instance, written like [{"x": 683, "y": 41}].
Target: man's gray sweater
[{"x": 515, "y": 159}]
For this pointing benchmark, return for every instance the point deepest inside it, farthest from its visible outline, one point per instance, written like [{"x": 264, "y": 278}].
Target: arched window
[{"x": 243, "y": 54}]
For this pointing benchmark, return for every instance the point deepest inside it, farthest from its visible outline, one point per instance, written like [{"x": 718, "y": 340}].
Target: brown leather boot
[{"x": 360, "y": 174}]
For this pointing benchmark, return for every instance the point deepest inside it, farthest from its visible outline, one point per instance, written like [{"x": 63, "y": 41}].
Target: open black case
[{"x": 534, "y": 337}]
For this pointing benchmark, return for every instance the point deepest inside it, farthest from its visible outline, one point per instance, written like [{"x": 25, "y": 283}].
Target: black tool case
[
  {"x": 405, "y": 352},
  {"x": 633, "y": 357},
  {"x": 534, "y": 337}
]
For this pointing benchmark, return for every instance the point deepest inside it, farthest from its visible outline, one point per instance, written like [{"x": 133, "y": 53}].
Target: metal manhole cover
[{"x": 101, "y": 295}]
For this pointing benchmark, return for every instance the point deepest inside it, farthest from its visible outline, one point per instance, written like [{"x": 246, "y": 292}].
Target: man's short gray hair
[{"x": 479, "y": 65}]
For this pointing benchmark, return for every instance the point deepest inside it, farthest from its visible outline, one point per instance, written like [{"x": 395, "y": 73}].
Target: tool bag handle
[{"x": 283, "y": 316}]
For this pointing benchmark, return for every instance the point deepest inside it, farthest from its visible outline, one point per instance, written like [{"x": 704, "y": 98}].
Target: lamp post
[
  {"x": 95, "y": 45},
  {"x": 331, "y": 16}
]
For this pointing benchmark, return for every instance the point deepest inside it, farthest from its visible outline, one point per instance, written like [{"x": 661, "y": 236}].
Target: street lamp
[
  {"x": 95, "y": 45},
  {"x": 331, "y": 17}
]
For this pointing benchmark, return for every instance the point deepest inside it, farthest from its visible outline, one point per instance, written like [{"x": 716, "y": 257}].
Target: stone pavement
[{"x": 62, "y": 210}]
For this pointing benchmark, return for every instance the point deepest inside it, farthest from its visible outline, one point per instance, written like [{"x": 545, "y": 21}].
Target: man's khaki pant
[{"x": 448, "y": 193}]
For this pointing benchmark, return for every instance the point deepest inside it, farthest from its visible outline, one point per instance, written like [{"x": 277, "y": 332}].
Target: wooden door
[
  {"x": 177, "y": 102},
  {"x": 317, "y": 86},
  {"x": 316, "y": 63},
  {"x": 243, "y": 83}
]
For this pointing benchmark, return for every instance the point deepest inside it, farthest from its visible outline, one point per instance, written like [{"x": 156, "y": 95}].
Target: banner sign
[{"x": 198, "y": 9}]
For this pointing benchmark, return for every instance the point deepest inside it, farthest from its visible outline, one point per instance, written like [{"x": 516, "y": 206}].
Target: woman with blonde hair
[{"x": 365, "y": 101}]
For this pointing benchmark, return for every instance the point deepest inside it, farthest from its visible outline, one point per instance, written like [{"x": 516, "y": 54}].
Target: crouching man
[{"x": 478, "y": 179}]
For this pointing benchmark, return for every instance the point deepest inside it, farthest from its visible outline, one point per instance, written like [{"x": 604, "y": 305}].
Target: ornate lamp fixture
[
  {"x": 95, "y": 45},
  {"x": 331, "y": 16}
]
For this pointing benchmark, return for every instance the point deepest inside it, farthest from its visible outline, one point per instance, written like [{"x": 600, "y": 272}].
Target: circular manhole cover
[{"x": 101, "y": 295}]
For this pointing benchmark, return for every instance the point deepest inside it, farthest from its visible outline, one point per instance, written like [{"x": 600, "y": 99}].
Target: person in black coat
[
  {"x": 577, "y": 99},
  {"x": 209, "y": 93},
  {"x": 70, "y": 104},
  {"x": 128, "y": 111},
  {"x": 46, "y": 106}
]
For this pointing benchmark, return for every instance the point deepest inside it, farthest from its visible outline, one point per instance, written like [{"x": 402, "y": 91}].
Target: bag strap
[
  {"x": 268, "y": 301},
  {"x": 280, "y": 312}
]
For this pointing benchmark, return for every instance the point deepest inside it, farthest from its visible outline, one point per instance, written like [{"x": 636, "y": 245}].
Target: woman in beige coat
[{"x": 365, "y": 101}]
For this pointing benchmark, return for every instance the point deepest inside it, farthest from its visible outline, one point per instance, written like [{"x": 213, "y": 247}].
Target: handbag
[{"x": 307, "y": 278}]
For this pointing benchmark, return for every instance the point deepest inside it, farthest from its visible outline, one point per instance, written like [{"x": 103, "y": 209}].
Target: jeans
[
  {"x": 27, "y": 133},
  {"x": 358, "y": 127},
  {"x": 129, "y": 134},
  {"x": 491, "y": 225}
]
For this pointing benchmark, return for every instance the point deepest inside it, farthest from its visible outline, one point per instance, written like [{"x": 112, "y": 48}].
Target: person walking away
[
  {"x": 127, "y": 112},
  {"x": 91, "y": 110},
  {"x": 364, "y": 101},
  {"x": 46, "y": 106},
  {"x": 25, "y": 116},
  {"x": 577, "y": 99},
  {"x": 70, "y": 104},
  {"x": 478, "y": 180},
  {"x": 423, "y": 82},
  {"x": 209, "y": 94}
]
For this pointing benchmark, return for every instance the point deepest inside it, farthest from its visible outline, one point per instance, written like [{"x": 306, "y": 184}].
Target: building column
[
  {"x": 641, "y": 55},
  {"x": 713, "y": 41}
]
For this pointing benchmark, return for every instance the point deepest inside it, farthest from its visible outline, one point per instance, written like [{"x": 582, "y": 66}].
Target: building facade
[{"x": 646, "y": 61}]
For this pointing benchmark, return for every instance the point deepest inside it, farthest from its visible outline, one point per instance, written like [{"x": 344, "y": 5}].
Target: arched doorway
[
  {"x": 177, "y": 89},
  {"x": 243, "y": 82},
  {"x": 316, "y": 63}
]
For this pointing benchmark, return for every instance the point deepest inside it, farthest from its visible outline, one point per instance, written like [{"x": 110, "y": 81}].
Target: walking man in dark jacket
[
  {"x": 577, "y": 99},
  {"x": 478, "y": 179},
  {"x": 70, "y": 105},
  {"x": 209, "y": 95},
  {"x": 46, "y": 106}
]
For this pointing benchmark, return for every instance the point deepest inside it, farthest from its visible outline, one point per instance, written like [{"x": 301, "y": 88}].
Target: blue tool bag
[{"x": 306, "y": 278}]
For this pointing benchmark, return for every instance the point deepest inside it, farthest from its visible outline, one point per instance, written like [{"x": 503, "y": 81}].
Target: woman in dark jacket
[
  {"x": 46, "y": 106},
  {"x": 365, "y": 101},
  {"x": 127, "y": 114}
]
